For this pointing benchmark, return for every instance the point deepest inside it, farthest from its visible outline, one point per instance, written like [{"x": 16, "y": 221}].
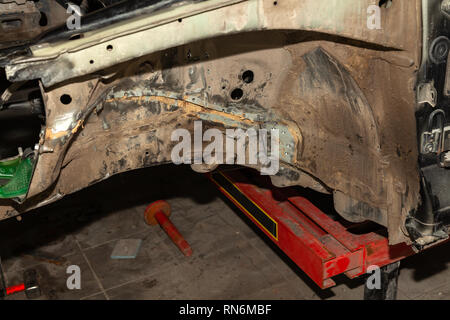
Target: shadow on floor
[
  {"x": 140, "y": 187},
  {"x": 47, "y": 224}
]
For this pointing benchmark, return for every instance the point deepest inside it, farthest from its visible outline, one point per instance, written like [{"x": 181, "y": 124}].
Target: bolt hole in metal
[
  {"x": 91, "y": 62},
  {"x": 237, "y": 94},
  {"x": 275, "y": 3},
  {"x": 76, "y": 36},
  {"x": 385, "y": 3},
  {"x": 248, "y": 76},
  {"x": 65, "y": 99},
  {"x": 109, "y": 47},
  {"x": 43, "y": 21}
]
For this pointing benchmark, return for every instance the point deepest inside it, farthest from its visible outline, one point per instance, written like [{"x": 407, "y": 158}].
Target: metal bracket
[
  {"x": 426, "y": 93},
  {"x": 429, "y": 140}
]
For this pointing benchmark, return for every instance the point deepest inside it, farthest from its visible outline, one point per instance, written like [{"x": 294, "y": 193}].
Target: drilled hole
[
  {"x": 109, "y": 47},
  {"x": 237, "y": 94},
  {"x": 91, "y": 62},
  {"x": 65, "y": 99},
  {"x": 385, "y": 3},
  {"x": 43, "y": 21},
  {"x": 275, "y": 3},
  {"x": 248, "y": 76},
  {"x": 76, "y": 36},
  {"x": 180, "y": 20}
]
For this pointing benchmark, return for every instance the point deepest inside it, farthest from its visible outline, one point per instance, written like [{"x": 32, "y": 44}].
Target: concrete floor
[{"x": 231, "y": 260}]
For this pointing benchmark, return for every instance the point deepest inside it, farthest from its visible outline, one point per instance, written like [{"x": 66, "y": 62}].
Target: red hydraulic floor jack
[{"x": 321, "y": 245}]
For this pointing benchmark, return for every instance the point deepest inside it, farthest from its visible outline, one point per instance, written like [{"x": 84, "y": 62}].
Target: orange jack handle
[{"x": 173, "y": 233}]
